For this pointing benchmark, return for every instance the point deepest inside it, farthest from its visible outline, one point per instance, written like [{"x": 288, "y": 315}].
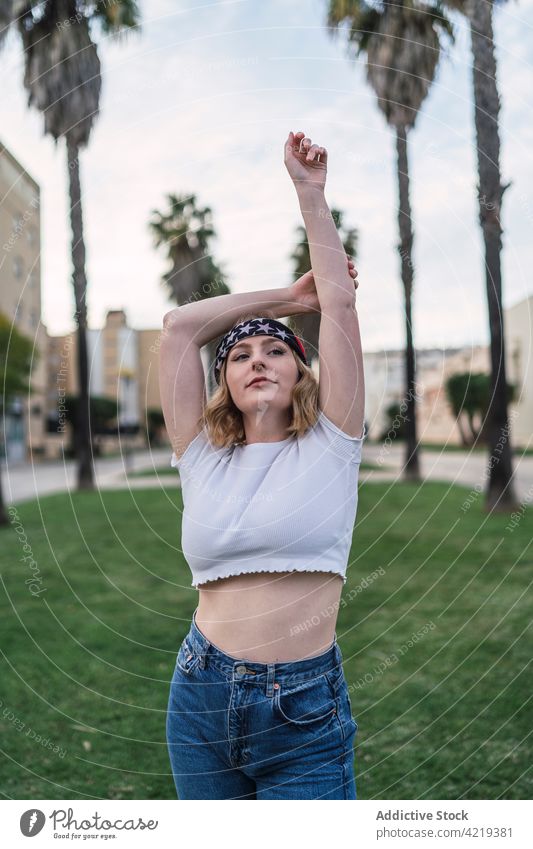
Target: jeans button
[{"x": 240, "y": 670}]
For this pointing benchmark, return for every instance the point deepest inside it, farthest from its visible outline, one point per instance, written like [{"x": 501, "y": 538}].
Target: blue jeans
[{"x": 237, "y": 729}]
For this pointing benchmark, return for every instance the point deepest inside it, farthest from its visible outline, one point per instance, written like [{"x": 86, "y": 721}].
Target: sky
[{"x": 201, "y": 101}]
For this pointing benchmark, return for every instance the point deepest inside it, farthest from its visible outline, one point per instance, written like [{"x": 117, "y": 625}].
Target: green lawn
[{"x": 86, "y": 665}]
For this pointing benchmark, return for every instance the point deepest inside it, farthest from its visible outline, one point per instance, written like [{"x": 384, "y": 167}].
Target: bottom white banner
[{"x": 360, "y": 823}]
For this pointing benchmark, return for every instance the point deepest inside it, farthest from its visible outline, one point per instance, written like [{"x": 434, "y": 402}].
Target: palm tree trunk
[
  {"x": 411, "y": 466},
  {"x": 473, "y": 430},
  {"x": 79, "y": 279},
  {"x": 459, "y": 422},
  {"x": 3, "y": 514},
  {"x": 500, "y": 488}
]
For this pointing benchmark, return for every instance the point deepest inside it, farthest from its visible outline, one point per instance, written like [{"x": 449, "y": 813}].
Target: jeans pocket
[
  {"x": 340, "y": 686},
  {"x": 187, "y": 659},
  {"x": 307, "y": 704}
]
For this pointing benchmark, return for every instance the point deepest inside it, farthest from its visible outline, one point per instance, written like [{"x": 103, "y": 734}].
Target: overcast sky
[{"x": 202, "y": 100}]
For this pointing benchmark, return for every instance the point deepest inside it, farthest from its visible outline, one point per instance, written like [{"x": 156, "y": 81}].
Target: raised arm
[
  {"x": 307, "y": 166},
  {"x": 341, "y": 377},
  {"x": 186, "y": 329}
]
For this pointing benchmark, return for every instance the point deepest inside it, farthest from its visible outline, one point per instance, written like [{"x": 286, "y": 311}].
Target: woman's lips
[{"x": 259, "y": 380}]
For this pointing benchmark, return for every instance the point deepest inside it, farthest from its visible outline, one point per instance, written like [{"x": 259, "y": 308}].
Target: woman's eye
[{"x": 279, "y": 350}]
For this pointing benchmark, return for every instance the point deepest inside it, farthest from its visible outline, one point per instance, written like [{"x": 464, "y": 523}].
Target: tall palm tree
[
  {"x": 62, "y": 78},
  {"x": 402, "y": 43},
  {"x": 306, "y": 324},
  {"x": 500, "y": 492},
  {"x": 186, "y": 231}
]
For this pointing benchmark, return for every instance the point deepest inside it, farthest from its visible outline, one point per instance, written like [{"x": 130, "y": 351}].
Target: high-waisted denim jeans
[{"x": 237, "y": 729}]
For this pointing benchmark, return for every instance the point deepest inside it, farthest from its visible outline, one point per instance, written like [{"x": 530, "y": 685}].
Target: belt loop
[{"x": 271, "y": 667}]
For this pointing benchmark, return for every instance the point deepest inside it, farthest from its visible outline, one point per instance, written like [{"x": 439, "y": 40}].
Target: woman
[{"x": 258, "y": 705}]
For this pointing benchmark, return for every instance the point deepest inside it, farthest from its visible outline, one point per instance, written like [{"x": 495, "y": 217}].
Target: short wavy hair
[{"x": 223, "y": 420}]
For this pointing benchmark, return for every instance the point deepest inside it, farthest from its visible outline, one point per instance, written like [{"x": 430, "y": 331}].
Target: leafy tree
[
  {"x": 469, "y": 397},
  {"x": 394, "y": 422},
  {"x": 17, "y": 357},
  {"x": 102, "y": 411}
]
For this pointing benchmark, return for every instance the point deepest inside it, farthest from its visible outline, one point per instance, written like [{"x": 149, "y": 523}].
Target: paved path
[
  {"x": 27, "y": 481},
  {"x": 466, "y": 468}
]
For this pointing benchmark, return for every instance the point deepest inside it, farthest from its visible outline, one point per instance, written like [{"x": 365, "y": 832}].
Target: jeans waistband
[{"x": 295, "y": 671}]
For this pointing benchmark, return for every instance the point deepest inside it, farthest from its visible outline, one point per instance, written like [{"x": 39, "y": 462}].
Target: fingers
[
  {"x": 352, "y": 271},
  {"x": 302, "y": 144},
  {"x": 293, "y": 141},
  {"x": 313, "y": 152}
]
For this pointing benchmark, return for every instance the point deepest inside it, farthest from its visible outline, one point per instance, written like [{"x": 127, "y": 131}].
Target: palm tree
[
  {"x": 62, "y": 78},
  {"x": 307, "y": 325},
  {"x": 500, "y": 494},
  {"x": 186, "y": 231},
  {"x": 402, "y": 44}
]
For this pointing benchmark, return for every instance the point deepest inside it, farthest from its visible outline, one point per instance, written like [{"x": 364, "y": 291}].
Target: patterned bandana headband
[{"x": 257, "y": 327}]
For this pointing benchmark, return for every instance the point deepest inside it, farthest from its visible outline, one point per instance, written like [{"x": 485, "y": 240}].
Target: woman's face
[{"x": 261, "y": 356}]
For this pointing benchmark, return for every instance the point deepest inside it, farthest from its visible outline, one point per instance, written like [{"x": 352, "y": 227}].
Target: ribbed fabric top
[{"x": 270, "y": 506}]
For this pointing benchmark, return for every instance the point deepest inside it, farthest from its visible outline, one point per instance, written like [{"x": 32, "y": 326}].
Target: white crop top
[{"x": 270, "y": 506}]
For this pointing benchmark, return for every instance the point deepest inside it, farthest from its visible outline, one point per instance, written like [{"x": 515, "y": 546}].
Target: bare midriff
[{"x": 270, "y": 617}]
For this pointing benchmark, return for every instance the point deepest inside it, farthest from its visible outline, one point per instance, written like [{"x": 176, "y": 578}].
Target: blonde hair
[{"x": 223, "y": 419}]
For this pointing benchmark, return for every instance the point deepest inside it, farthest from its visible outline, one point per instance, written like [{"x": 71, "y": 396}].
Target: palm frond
[
  {"x": 361, "y": 19},
  {"x": 117, "y": 17},
  {"x": 62, "y": 76}
]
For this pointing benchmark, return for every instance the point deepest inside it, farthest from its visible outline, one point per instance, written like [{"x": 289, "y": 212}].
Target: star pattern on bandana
[{"x": 256, "y": 327}]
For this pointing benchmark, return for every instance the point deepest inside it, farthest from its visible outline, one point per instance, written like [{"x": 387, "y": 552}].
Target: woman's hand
[
  {"x": 306, "y": 163},
  {"x": 303, "y": 291}
]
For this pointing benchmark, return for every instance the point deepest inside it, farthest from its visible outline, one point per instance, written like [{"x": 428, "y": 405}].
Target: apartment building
[
  {"x": 123, "y": 366},
  {"x": 20, "y": 302},
  {"x": 518, "y": 322}
]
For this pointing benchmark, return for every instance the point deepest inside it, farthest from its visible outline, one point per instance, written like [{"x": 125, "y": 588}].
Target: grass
[{"x": 86, "y": 665}]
